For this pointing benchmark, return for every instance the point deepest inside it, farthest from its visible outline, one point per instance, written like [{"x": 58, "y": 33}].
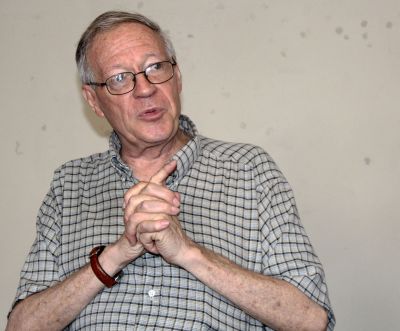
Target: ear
[
  {"x": 179, "y": 79},
  {"x": 91, "y": 98}
]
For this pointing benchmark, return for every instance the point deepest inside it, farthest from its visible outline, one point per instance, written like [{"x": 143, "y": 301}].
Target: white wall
[{"x": 316, "y": 83}]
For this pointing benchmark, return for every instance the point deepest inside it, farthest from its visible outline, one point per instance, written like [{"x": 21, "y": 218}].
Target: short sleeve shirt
[{"x": 234, "y": 201}]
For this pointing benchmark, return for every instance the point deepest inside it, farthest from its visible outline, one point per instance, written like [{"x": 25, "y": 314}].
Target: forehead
[{"x": 132, "y": 41}]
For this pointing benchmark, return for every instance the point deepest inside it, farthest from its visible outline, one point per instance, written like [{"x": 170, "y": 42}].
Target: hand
[
  {"x": 170, "y": 241},
  {"x": 150, "y": 201},
  {"x": 150, "y": 217},
  {"x": 128, "y": 248}
]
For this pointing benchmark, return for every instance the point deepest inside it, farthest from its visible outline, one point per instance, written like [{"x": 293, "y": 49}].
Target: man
[{"x": 183, "y": 232}]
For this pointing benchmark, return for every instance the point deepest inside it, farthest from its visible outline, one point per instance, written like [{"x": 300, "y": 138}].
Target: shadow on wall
[{"x": 99, "y": 125}]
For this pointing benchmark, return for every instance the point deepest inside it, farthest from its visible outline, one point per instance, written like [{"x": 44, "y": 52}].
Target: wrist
[
  {"x": 108, "y": 259},
  {"x": 101, "y": 274},
  {"x": 192, "y": 257}
]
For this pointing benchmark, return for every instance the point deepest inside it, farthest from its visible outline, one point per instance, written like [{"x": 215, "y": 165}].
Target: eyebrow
[{"x": 146, "y": 57}]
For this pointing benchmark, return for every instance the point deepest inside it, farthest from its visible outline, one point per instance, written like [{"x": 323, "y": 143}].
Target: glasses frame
[{"x": 172, "y": 62}]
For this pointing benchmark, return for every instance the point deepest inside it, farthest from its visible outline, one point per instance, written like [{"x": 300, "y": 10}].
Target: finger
[
  {"x": 156, "y": 206},
  {"x": 135, "y": 219},
  {"x": 149, "y": 189},
  {"x": 131, "y": 222},
  {"x": 148, "y": 242},
  {"x": 150, "y": 226},
  {"x": 134, "y": 190},
  {"x": 148, "y": 232},
  {"x": 133, "y": 203},
  {"x": 160, "y": 192},
  {"x": 161, "y": 175}
]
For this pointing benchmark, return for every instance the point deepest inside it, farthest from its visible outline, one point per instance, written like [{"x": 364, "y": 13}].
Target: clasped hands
[{"x": 151, "y": 222}]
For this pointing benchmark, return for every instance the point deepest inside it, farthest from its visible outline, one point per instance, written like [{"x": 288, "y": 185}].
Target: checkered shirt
[{"x": 234, "y": 201}]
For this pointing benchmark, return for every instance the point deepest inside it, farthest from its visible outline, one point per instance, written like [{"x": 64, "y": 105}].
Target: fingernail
[
  {"x": 176, "y": 202},
  {"x": 163, "y": 224}
]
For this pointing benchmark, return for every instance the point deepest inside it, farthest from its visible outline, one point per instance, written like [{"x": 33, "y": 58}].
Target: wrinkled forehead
[{"x": 124, "y": 38}]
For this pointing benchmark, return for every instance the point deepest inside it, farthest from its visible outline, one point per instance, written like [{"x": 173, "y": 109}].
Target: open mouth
[{"x": 151, "y": 114}]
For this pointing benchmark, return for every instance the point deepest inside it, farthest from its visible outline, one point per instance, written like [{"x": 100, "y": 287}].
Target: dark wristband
[{"x": 106, "y": 279}]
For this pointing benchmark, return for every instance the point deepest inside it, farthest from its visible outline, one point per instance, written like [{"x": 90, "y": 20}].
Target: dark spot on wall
[
  {"x": 283, "y": 54},
  {"x": 140, "y": 4},
  {"x": 252, "y": 17},
  {"x": 303, "y": 35},
  {"x": 226, "y": 94},
  {"x": 190, "y": 35},
  {"x": 346, "y": 37},
  {"x": 367, "y": 160},
  {"x": 44, "y": 127},
  {"x": 18, "y": 148},
  {"x": 269, "y": 131},
  {"x": 339, "y": 30},
  {"x": 365, "y": 35},
  {"x": 220, "y": 6},
  {"x": 243, "y": 125},
  {"x": 364, "y": 23},
  {"x": 389, "y": 25}
]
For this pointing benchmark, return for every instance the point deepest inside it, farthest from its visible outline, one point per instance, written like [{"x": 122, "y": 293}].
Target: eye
[
  {"x": 119, "y": 78},
  {"x": 155, "y": 67}
]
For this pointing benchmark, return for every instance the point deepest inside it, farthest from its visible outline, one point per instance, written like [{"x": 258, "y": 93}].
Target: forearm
[
  {"x": 274, "y": 302},
  {"x": 57, "y": 306}
]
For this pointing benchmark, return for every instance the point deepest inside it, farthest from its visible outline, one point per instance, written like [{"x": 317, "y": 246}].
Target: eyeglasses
[{"x": 124, "y": 82}]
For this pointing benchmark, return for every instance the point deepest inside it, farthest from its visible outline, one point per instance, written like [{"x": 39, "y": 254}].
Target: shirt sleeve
[
  {"x": 40, "y": 270},
  {"x": 287, "y": 250}
]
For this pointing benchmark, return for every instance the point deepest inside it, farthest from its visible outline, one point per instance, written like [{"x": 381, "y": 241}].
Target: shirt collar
[
  {"x": 116, "y": 160},
  {"x": 185, "y": 157}
]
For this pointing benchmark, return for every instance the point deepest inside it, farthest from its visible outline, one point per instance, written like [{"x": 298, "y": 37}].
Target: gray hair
[{"x": 106, "y": 22}]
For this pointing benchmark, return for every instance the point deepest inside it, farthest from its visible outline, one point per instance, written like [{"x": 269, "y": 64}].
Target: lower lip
[{"x": 151, "y": 115}]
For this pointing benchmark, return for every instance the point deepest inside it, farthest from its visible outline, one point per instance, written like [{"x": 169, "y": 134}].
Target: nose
[{"x": 143, "y": 88}]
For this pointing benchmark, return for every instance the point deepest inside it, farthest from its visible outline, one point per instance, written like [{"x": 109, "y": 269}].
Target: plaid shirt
[{"x": 234, "y": 201}]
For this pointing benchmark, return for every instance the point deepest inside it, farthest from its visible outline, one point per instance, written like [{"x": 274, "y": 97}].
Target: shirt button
[{"x": 152, "y": 293}]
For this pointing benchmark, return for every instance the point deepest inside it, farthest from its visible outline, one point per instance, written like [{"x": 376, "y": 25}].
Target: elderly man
[{"x": 167, "y": 230}]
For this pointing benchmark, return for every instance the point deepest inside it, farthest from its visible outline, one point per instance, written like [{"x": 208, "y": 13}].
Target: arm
[
  {"x": 57, "y": 306},
  {"x": 274, "y": 302}
]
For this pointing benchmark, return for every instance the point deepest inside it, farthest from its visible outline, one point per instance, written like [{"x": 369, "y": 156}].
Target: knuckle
[{"x": 141, "y": 205}]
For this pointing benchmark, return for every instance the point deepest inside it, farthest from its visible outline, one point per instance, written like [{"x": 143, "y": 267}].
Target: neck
[{"x": 146, "y": 161}]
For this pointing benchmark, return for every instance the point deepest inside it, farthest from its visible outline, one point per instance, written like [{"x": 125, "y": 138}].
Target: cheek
[
  {"x": 115, "y": 107},
  {"x": 175, "y": 100}
]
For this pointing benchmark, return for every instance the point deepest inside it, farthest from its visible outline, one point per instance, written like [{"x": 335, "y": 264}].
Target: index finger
[{"x": 161, "y": 175}]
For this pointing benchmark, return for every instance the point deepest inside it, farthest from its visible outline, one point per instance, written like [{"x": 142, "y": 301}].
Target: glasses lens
[
  {"x": 159, "y": 72},
  {"x": 121, "y": 83}
]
